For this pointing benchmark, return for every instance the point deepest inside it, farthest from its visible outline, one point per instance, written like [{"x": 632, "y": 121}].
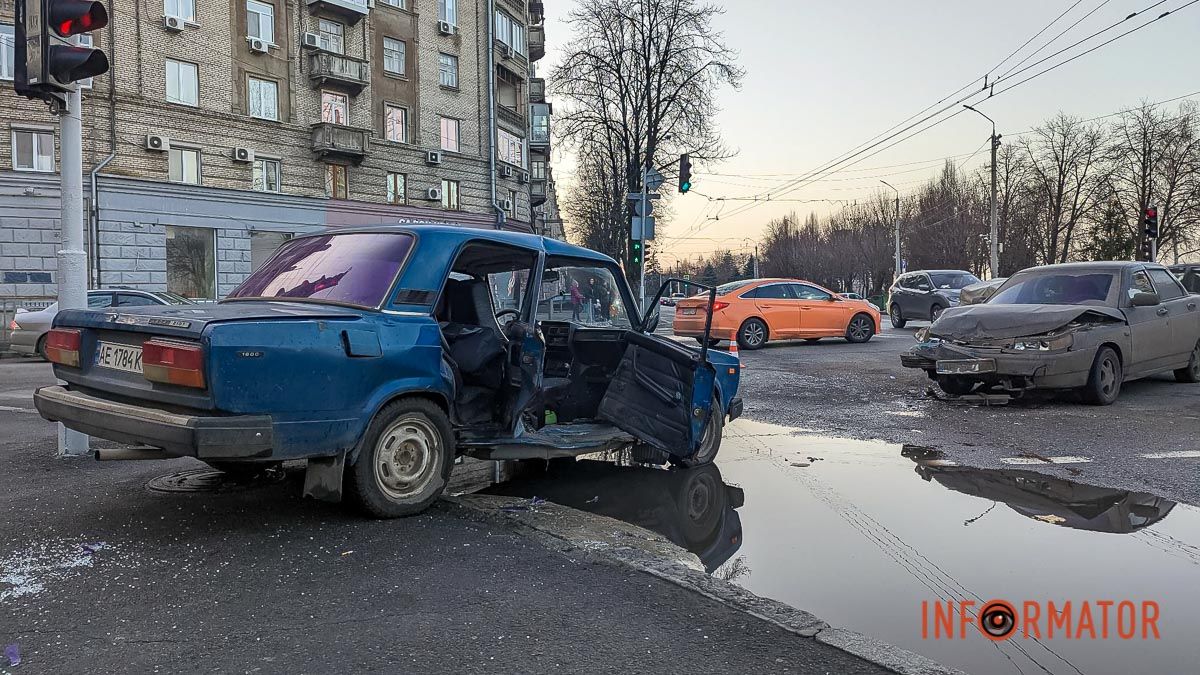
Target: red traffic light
[
  {"x": 1152, "y": 212},
  {"x": 72, "y": 17}
]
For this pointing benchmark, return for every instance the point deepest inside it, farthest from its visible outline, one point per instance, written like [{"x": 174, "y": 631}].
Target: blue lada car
[{"x": 381, "y": 354}]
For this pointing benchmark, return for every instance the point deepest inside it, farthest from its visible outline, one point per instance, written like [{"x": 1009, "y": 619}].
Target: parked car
[
  {"x": 760, "y": 310},
  {"x": 379, "y": 355},
  {"x": 925, "y": 294},
  {"x": 1189, "y": 276},
  {"x": 672, "y": 299},
  {"x": 980, "y": 292},
  {"x": 1087, "y": 326},
  {"x": 28, "y": 329},
  {"x": 852, "y": 296}
]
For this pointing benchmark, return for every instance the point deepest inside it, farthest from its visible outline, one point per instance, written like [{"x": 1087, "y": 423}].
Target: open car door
[{"x": 662, "y": 391}]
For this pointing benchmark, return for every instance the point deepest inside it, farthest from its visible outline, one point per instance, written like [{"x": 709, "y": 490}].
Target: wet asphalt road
[{"x": 98, "y": 574}]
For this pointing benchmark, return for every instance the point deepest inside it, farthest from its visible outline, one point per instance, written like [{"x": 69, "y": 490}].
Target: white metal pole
[
  {"x": 994, "y": 257},
  {"x": 72, "y": 256},
  {"x": 642, "y": 266}
]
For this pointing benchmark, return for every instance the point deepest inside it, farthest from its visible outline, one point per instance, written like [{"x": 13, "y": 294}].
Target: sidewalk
[{"x": 99, "y": 574}]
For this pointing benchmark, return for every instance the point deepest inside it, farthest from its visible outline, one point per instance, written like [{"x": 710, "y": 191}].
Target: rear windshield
[
  {"x": 1055, "y": 289},
  {"x": 353, "y": 269},
  {"x": 952, "y": 279}
]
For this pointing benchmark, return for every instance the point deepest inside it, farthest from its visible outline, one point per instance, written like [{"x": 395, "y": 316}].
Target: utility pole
[
  {"x": 994, "y": 224},
  {"x": 756, "y": 261},
  {"x": 898, "y": 270},
  {"x": 72, "y": 258}
]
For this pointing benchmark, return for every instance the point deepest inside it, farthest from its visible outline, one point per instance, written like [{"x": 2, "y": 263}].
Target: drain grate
[{"x": 211, "y": 480}]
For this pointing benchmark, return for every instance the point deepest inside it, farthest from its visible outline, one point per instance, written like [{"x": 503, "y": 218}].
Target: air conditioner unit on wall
[
  {"x": 157, "y": 143},
  {"x": 445, "y": 28},
  {"x": 524, "y": 176},
  {"x": 506, "y": 171},
  {"x": 259, "y": 45},
  {"x": 243, "y": 155},
  {"x": 174, "y": 23},
  {"x": 434, "y": 194},
  {"x": 433, "y": 157},
  {"x": 506, "y": 51},
  {"x": 312, "y": 40},
  {"x": 507, "y": 205}
]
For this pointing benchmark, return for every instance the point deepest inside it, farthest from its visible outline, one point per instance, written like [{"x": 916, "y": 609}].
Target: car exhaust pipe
[{"x": 118, "y": 454}]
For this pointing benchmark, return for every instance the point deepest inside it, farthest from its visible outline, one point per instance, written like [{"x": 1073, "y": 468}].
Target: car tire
[
  {"x": 710, "y": 441},
  {"x": 860, "y": 329},
  {"x": 954, "y": 386},
  {"x": 41, "y": 348},
  {"x": 404, "y": 461},
  {"x": 1191, "y": 372},
  {"x": 898, "y": 320},
  {"x": 753, "y": 334},
  {"x": 935, "y": 311},
  {"x": 1105, "y": 378}
]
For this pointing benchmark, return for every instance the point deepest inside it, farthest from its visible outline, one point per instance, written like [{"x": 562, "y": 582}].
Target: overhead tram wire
[{"x": 1055, "y": 38}]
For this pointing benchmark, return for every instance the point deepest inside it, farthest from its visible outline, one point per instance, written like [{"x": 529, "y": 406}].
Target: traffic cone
[{"x": 733, "y": 347}]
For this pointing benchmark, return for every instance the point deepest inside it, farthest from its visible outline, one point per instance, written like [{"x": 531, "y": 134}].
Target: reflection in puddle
[{"x": 845, "y": 530}]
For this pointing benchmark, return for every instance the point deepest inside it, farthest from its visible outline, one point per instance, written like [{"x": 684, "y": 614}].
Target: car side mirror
[
  {"x": 1144, "y": 299},
  {"x": 652, "y": 323}
]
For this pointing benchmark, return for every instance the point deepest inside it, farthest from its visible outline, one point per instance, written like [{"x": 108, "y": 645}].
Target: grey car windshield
[
  {"x": 1056, "y": 289},
  {"x": 952, "y": 279}
]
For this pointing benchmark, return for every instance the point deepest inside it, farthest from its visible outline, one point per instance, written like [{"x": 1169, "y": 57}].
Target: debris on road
[{"x": 12, "y": 654}]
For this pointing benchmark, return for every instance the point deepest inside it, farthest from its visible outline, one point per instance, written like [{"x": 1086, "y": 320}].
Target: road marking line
[
  {"x": 1171, "y": 455},
  {"x": 1065, "y": 459},
  {"x": 9, "y": 408}
]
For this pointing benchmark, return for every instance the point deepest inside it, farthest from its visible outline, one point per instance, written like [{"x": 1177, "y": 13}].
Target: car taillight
[
  {"x": 718, "y": 305},
  {"x": 62, "y": 346},
  {"x": 13, "y": 325},
  {"x": 173, "y": 363}
]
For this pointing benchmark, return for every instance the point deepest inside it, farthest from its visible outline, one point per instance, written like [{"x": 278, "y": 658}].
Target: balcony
[
  {"x": 335, "y": 140},
  {"x": 537, "y": 90},
  {"x": 537, "y": 42},
  {"x": 537, "y": 11},
  {"x": 539, "y": 127},
  {"x": 350, "y": 10},
  {"x": 537, "y": 192},
  {"x": 510, "y": 116},
  {"x": 343, "y": 72}
]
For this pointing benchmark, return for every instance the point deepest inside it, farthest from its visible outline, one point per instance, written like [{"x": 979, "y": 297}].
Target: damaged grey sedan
[{"x": 1085, "y": 326}]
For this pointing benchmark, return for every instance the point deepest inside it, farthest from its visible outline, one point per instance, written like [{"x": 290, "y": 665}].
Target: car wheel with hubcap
[
  {"x": 1104, "y": 380},
  {"x": 710, "y": 440},
  {"x": 897, "y": 318},
  {"x": 1190, "y": 372},
  {"x": 860, "y": 329},
  {"x": 405, "y": 459},
  {"x": 753, "y": 334},
  {"x": 935, "y": 312}
]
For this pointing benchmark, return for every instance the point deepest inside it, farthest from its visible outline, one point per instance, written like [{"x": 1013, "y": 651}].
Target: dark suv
[
  {"x": 922, "y": 295},
  {"x": 1189, "y": 276}
]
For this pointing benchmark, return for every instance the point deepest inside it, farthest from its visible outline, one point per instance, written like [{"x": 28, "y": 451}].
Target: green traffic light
[{"x": 684, "y": 187}]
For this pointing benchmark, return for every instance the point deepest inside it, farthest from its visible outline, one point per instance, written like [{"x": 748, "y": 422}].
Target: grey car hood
[{"x": 1008, "y": 321}]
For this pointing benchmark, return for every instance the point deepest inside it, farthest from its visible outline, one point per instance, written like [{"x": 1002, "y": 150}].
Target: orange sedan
[{"x": 777, "y": 309}]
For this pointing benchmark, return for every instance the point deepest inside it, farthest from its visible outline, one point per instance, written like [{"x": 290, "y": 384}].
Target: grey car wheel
[
  {"x": 1190, "y": 372},
  {"x": 897, "y": 318},
  {"x": 710, "y": 440},
  {"x": 935, "y": 312},
  {"x": 41, "y": 348},
  {"x": 860, "y": 329},
  {"x": 752, "y": 334},
  {"x": 1105, "y": 378}
]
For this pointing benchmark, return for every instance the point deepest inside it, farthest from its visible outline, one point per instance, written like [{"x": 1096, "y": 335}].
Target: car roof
[
  {"x": 939, "y": 272},
  {"x": 455, "y": 234},
  {"x": 1097, "y": 266}
]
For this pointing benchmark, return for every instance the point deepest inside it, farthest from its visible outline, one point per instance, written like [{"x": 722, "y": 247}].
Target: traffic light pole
[
  {"x": 994, "y": 226},
  {"x": 72, "y": 256},
  {"x": 642, "y": 266}
]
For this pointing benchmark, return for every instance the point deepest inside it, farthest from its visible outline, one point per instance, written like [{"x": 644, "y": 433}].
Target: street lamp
[
  {"x": 897, "y": 224},
  {"x": 993, "y": 244}
]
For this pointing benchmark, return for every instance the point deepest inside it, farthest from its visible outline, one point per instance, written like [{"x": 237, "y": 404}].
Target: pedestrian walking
[{"x": 576, "y": 300}]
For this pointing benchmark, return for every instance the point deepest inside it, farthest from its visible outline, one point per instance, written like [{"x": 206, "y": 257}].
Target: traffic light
[
  {"x": 1151, "y": 222},
  {"x": 48, "y": 61},
  {"x": 635, "y": 254},
  {"x": 685, "y": 173}
]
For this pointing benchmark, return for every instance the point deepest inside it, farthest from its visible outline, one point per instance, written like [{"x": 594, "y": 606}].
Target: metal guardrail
[{"x": 8, "y": 310}]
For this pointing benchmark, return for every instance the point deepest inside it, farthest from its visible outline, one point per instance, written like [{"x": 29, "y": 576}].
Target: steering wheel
[{"x": 515, "y": 313}]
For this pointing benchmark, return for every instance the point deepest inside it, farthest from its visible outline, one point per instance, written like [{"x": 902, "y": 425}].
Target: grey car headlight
[{"x": 1054, "y": 344}]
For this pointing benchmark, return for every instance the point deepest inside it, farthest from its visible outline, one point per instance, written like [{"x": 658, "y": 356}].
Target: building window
[
  {"x": 82, "y": 41},
  {"x": 266, "y": 174},
  {"x": 335, "y": 181},
  {"x": 184, "y": 9},
  {"x": 448, "y": 70},
  {"x": 260, "y": 21},
  {"x": 33, "y": 150},
  {"x": 7, "y": 51},
  {"x": 393, "y": 56},
  {"x": 183, "y": 82},
  {"x": 395, "y": 123},
  {"x": 191, "y": 261},
  {"x": 537, "y": 169},
  {"x": 263, "y": 245},
  {"x": 332, "y": 36},
  {"x": 510, "y": 31},
  {"x": 335, "y": 108},
  {"x": 539, "y": 122},
  {"x": 264, "y": 99},
  {"x": 510, "y": 148},
  {"x": 399, "y": 4},
  {"x": 448, "y": 11},
  {"x": 512, "y": 204},
  {"x": 450, "y": 128},
  {"x": 184, "y": 165},
  {"x": 397, "y": 186},
  {"x": 450, "y": 194}
]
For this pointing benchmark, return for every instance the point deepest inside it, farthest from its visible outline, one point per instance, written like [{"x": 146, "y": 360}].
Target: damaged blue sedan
[{"x": 382, "y": 354}]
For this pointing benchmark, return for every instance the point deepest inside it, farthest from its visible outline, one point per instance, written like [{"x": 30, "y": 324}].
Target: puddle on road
[{"x": 861, "y": 533}]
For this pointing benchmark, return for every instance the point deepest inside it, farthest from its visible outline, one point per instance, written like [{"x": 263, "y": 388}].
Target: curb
[{"x": 567, "y": 530}]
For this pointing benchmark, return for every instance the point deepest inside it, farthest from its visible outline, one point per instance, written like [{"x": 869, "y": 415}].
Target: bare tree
[{"x": 1068, "y": 174}]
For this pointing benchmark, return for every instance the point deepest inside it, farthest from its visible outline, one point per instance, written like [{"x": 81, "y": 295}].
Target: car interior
[{"x": 534, "y": 372}]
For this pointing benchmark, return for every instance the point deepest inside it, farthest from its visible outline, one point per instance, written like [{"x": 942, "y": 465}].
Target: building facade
[{"x": 226, "y": 126}]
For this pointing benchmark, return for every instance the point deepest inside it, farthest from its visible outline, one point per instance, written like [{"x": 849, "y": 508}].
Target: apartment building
[{"x": 226, "y": 126}]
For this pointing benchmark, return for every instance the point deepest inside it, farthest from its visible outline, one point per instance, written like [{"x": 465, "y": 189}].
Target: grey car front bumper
[{"x": 1049, "y": 370}]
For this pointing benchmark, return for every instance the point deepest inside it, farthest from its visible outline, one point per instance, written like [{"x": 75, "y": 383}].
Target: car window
[
  {"x": 773, "y": 292},
  {"x": 732, "y": 286},
  {"x": 953, "y": 279},
  {"x": 1140, "y": 284},
  {"x": 905, "y": 282},
  {"x": 1167, "y": 286},
  {"x": 1055, "y": 289},
  {"x": 100, "y": 300},
  {"x": 131, "y": 300},
  {"x": 584, "y": 295},
  {"x": 806, "y": 292}
]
